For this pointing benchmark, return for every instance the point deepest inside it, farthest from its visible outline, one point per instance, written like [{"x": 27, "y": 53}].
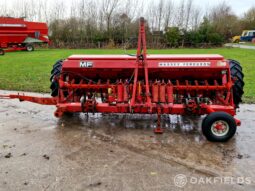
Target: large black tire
[
  {"x": 30, "y": 48},
  {"x": 237, "y": 75},
  {"x": 210, "y": 130},
  {"x": 55, "y": 73},
  {"x": 2, "y": 52}
]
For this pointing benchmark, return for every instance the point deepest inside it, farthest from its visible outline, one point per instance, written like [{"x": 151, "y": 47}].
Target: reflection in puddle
[
  {"x": 172, "y": 123},
  {"x": 182, "y": 139}
]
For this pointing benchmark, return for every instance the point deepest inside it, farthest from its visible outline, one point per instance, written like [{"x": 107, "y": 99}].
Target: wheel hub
[{"x": 220, "y": 128}]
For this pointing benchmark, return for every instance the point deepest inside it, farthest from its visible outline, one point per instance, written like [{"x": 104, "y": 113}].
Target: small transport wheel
[
  {"x": 2, "y": 52},
  {"x": 219, "y": 127},
  {"x": 30, "y": 47}
]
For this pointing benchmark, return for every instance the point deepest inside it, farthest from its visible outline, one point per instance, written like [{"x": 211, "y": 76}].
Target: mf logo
[{"x": 85, "y": 64}]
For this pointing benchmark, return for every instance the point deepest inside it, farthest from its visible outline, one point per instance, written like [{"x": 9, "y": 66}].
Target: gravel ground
[{"x": 118, "y": 152}]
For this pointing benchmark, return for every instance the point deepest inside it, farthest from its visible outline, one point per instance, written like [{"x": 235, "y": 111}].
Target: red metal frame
[
  {"x": 14, "y": 49},
  {"x": 190, "y": 84}
]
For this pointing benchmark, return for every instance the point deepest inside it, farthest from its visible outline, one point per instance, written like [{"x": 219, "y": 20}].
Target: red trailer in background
[{"x": 18, "y": 34}]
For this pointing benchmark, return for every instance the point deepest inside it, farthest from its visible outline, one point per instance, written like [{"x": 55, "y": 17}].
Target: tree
[
  {"x": 173, "y": 36},
  {"x": 108, "y": 8},
  {"x": 168, "y": 14},
  {"x": 248, "y": 21},
  {"x": 188, "y": 13},
  {"x": 83, "y": 23},
  {"x": 224, "y": 20}
]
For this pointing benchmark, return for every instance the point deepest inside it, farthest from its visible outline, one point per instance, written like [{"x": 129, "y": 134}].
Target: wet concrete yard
[{"x": 118, "y": 152}]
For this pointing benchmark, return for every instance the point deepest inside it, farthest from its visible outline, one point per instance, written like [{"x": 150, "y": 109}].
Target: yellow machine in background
[{"x": 247, "y": 36}]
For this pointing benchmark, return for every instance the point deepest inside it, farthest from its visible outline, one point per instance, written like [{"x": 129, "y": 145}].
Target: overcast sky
[{"x": 238, "y": 6}]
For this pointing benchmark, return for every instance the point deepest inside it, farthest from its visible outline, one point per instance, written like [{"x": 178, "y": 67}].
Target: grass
[{"x": 30, "y": 71}]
